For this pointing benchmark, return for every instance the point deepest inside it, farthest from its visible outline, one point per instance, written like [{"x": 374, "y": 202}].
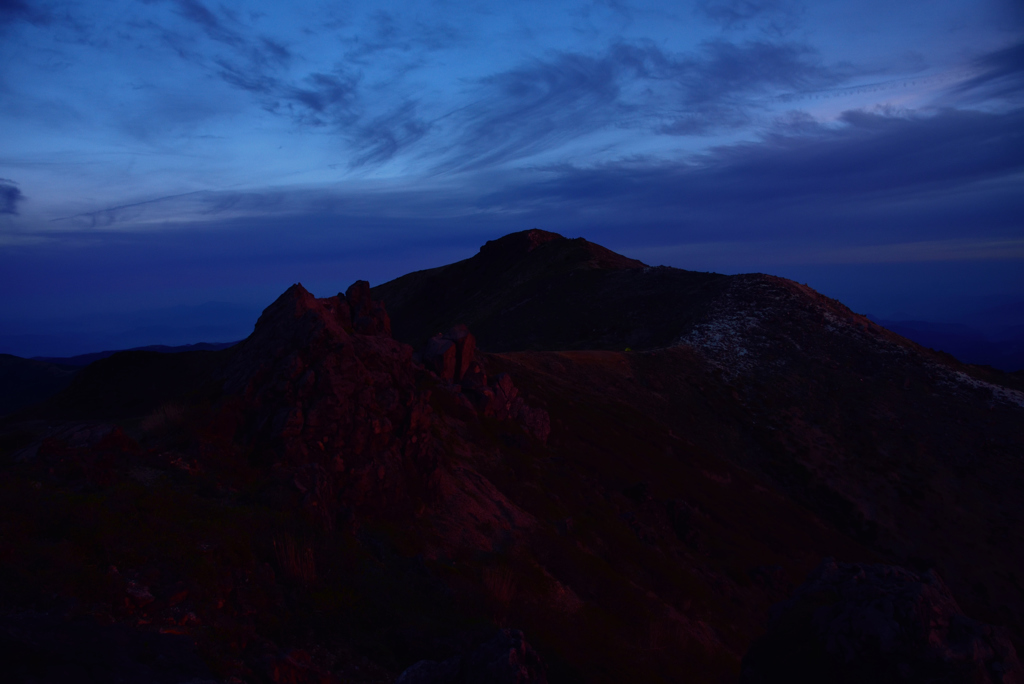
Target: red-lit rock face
[{"x": 343, "y": 413}]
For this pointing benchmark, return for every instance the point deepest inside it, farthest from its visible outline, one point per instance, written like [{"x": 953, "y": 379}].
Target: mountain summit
[{"x": 536, "y": 290}]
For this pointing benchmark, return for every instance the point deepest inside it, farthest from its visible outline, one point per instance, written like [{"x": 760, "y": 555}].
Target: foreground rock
[
  {"x": 47, "y": 648},
  {"x": 505, "y": 659},
  {"x": 853, "y": 622}
]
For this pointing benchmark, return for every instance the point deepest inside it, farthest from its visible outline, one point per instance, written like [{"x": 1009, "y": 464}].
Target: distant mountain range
[
  {"x": 86, "y": 359},
  {"x": 1003, "y": 348},
  {"x": 545, "y": 463},
  {"x": 91, "y": 331},
  {"x": 28, "y": 381}
]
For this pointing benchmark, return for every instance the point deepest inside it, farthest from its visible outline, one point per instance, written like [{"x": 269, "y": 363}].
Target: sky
[{"x": 168, "y": 167}]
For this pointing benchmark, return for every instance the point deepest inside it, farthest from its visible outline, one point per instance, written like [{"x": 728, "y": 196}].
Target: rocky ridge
[{"x": 326, "y": 503}]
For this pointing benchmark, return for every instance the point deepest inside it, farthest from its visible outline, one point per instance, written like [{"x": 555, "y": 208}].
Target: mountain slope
[
  {"x": 335, "y": 495},
  {"x": 900, "y": 446},
  {"x": 325, "y": 503}
]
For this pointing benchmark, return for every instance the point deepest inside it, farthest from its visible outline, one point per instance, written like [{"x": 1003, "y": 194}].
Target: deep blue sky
[{"x": 167, "y": 167}]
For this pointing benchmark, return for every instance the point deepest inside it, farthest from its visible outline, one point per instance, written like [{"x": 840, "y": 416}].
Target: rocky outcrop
[
  {"x": 330, "y": 398},
  {"x": 854, "y": 622},
  {"x": 451, "y": 354},
  {"x": 367, "y": 316},
  {"x": 505, "y": 659},
  {"x": 439, "y": 356},
  {"x": 344, "y": 414},
  {"x": 452, "y": 357}
]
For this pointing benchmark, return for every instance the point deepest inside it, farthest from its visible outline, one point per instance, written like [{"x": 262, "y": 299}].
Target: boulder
[
  {"x": 49, "y": 647},
  {"x": 465, "y": 347},
  {"x": 504, "y": 390},
  {"x": 440, "y": 356},
  {"x": 432, "y": 672},
  {"x": 296, "y": 667},
  {"x": 505, "y": 659},
  {"x": 536, "y": 421},
  {"x": 855, "y": 622}
]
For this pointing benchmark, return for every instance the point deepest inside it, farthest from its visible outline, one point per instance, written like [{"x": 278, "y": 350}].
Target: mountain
[
  {"x": 463, "y": 476},
  {"x": 24, "y": 382},
  {"x": 67, "y": 333},
  {"x": 86, "y": 359},
  {"x": 29, "y": 381},
  {"x": 539, "y": 291}
]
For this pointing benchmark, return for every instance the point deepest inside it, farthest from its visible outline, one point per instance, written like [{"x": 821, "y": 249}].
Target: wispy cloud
[
  {"x": 787, "y": 252},
  {"x": 21, "y": 10},
  {"x": 261, "y": 65},
  {"x": 197, "y": 12},
  {"x": 385, "y": 136},
  {"x": 10, "y": 196},
  {"x": 321, "y": 99},
  {"x": 534, "y": 107},
  {"x": 360, "y": 91},
  {"x": 876, "y": 177},
  {"x": 775, "y": 17},
  {"x": 393, "y": 32},
  {"x": 545, "y": 103},
  {"x": 721, "y": 86},
  {"x": 879, "y": 153},
  {"x": 1001, "y": 76}
]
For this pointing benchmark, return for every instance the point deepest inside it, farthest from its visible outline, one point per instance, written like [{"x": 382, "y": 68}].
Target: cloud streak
[
  {"x": 877, "y": 177},
  {"x": 260, "y": 65},
  {"x": 12, "y": 11},
  {"x": 1001, "y": 76},
  {"x": 929, "y": 183},
  {"x": 10, "y": 196},
  {"x": 775, "y": 17},
  {"x": 546, "y": 103},
  {"x": 512, "y": 114}
]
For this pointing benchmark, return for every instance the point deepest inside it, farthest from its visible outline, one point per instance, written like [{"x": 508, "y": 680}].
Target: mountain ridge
[
  {"x": 502, "y": 294},
  {"x": 331, "y": 503}
]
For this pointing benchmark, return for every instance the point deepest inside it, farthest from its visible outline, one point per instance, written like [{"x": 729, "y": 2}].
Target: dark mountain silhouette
[
  {"x": 86, "y": 359},
  {"x": 29, "y": 381},
  {"x": 539, "y": 291},
  {"x": 24, "y": 382},
  {"x": 324, "y": 502}
]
